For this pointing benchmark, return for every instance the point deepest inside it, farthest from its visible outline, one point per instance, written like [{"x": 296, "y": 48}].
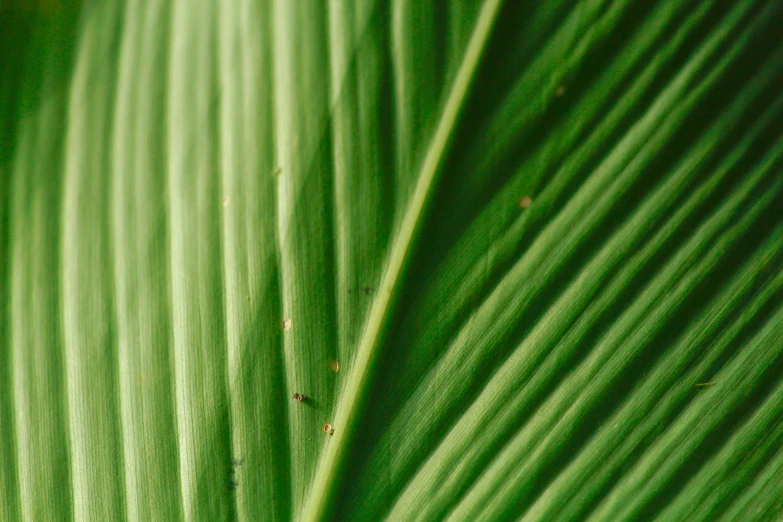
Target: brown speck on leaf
[
  {"x": 277, "y": 172},
  {"x": 225, "y": 201},
  {"x": 300, "y": 397},
  {"x": 524, "y": 201},
  {"x": 334, "y": 366},
  {"x": 287, "y": 324},
  {"x": 705, "y": 384},
  {"x": 560, "y": 91},
  {"x": 328, "y": 429}
]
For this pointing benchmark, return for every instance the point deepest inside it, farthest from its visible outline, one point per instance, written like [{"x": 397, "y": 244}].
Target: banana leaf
[{"x": 391, "y": 260}]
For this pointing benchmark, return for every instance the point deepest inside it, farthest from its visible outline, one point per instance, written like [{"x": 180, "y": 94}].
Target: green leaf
[{"x": 519, "y": 261}]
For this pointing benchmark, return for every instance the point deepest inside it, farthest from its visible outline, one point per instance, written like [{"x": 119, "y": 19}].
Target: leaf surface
[{"x": 518, "y": 261}]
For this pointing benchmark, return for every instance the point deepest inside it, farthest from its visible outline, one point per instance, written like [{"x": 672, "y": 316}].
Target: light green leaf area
[{"x": 519, "y": 260}]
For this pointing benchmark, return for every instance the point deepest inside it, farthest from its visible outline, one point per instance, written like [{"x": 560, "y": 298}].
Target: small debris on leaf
[
  {"x": 328, "y": 429},
  {"x": 704, "y": 384},
  {"x": 300, "y": 397},
  {"x": 225, "y": 201},
  {"x": 334, "y": 366},
  {"x": 287, "y": 324},
  {"x": 524, "y": 201}
]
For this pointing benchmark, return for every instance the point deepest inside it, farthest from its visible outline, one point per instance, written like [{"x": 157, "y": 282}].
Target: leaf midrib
[{"x": 331, "y": 467}]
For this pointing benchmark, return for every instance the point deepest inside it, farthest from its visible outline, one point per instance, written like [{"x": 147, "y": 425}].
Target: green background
[{"x": 179, "y": 179}]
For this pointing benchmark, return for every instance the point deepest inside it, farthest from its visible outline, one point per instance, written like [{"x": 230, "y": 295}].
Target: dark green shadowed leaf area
[{"x": 361, "y": 260}]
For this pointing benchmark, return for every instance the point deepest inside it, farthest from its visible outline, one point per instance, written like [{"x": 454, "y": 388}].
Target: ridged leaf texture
[{"x": 518, "y": 260}]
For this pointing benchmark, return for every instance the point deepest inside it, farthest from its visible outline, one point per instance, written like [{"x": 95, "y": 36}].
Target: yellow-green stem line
[{"x": 330, "y": 470}]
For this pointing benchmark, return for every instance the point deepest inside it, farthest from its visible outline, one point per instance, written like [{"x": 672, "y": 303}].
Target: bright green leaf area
[{"x": 519, "y": 260}]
